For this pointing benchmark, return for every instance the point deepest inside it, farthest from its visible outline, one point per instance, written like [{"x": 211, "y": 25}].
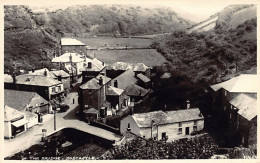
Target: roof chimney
[
  {"x": 100, "y": 81},
  {"x": 45, "y": 72},
  {"x": 14, "y": 78},
  {"x": 115, "y": 83},
  {"x": 103, "y": 63},
  {"x": 89, "y": 65},
  {"x": 188, "y": 104}
]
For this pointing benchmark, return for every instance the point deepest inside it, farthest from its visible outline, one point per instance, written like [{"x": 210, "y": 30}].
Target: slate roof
[
  {"x": 113, "y": 91},
  {"x": 246, "y": 106},
  {"x": 161, "y": 118},
  {"x": 135, "y": 90},
  {"x": 125, "y": 79},
  {"x": 242, "y": 83},
  {"x": 8, "y": 78},
  {"x": 20, "y": 99},
  {"x": 10, "y": 113},
  {"x": 37, "y": 80},
  {"x": 61, "y": 73},
  {"x": 41, "y": 72},
  {"x": 144, "y": 78},
  {"x": 125, "y": 66},
  {"x": 65, "y": 58},
  {"x": 94, "y": 83},
  {"x": 96, "y": 65},
  {"x": 71, "y": 41}
]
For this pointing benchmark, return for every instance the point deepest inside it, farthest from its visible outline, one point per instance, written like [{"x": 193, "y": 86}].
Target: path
[{"x": 63, "y": 120}]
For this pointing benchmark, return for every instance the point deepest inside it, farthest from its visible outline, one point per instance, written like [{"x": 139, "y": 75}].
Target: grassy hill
[
  {"x": 199, "y": 59},
  {"x": 229, "y": 18},
  {"x": 32, "y": 38}
]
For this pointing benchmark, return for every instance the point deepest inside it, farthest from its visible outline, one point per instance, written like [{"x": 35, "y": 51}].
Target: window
[
  {"x": 195, "y": 123},
  {"x": 180, "y": 124},
  {"x": 53, "y": 89},
  {"x": 163, "y": 135},
  {"x": 154, "y": 138},
  {"x": 225, "y": 92},
  {"x": 194, "y": 128},
  {"x": 128, "y": 125},
  {"x": 180, "y": 131}
]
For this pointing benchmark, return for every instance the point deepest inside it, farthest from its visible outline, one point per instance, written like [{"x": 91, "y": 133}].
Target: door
[{"x": 187, "y": 131}]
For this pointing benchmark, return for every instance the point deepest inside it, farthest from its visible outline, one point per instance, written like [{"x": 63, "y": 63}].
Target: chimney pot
[
  {"x": 89, "y": 65},
  {"x": 100, "y": 81},
  {"x": 188, "y": 104}
]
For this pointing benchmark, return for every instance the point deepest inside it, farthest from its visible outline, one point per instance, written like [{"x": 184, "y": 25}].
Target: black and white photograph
[{"x": 129, "y": 80}]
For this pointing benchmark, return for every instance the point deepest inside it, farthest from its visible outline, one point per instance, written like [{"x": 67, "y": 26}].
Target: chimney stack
[
  {"x": 188, "y": 104},
  {"x": 14, "y": 78},
  {"x": 100, "y": 81},
  {"x": 45, "y": 72},
  {"x": 89, "y": 65},
  {"x": 115, "y": 83}
]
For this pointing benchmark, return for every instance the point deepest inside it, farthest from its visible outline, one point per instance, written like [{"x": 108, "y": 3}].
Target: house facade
[
  {"x": 70, "y": 61},
  {"x": 93, "y": 93},
  {"x": 45, "y": 86},
  {"x": 161, "y": 125},
  {"x": 14, "y": 122},
  {"x": 26, "y": 101},
  {"x": 72, "y": 45},
  {"x": 92, "y": 68},
  {"x": 232, "y": 101}
]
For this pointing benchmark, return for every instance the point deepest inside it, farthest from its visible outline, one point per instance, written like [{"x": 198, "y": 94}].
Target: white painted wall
[
  {"x": 172, "y": 130},
  {"x": 7, "y": 131},
  {"x": 32, "y": 121},
  {"x": 124, "y": 125}
]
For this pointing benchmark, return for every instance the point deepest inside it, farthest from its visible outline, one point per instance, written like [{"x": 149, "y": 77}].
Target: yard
[
  {"x": 149, "y": 57},
  {"x": 110, "y": 41}
]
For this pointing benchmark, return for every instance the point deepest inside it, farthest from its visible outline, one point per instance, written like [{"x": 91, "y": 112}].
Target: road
[{"x": 63, "y": 120}]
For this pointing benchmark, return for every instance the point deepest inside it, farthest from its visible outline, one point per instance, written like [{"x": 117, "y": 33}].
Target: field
[
  {"x": 110, "y": 41},
  {"x": 149, "y": 57}
]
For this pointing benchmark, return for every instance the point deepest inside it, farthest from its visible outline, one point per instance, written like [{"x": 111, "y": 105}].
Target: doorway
[{"x": 187, "y": 131}]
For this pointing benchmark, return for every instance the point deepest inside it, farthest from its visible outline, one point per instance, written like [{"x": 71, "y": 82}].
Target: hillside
[
  {"x": 32, "y": 38},
  {"x": 199, "y": 59},
  {"x": 229, "y": 18}
]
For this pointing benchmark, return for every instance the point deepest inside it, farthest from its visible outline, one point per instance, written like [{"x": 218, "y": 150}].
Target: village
[{"x": 86, "y": 94}]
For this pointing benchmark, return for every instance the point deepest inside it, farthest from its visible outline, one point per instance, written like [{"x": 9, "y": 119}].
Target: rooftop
[
  {"x": 91, "y": 111},
  {"x": 70, "y": 41},
  {"x": 10, "y": 113},
  {"x": 65, "y": 58},
  {"x": 125, "y": 66},
  {"x": 113, "y": 91},
  {"x": 242, "y": 83},
  {"x": 94, "y": 83},
  {"x": 160, "y": 117},
  {"x": 60, "y": 73},
  {"x": 246, "y": 106},
  {"x": 28, "y": 79},
  {"x": 125, "y": 79},
  {"x": 135, "y": 90},
  {"x": 8, "y": 78},
  {"x": 20, "y": 99},
  {"x": 96, "y": 65},
  {"x": 144, "y": 78},
  {"x": 42, "y": 72}
]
